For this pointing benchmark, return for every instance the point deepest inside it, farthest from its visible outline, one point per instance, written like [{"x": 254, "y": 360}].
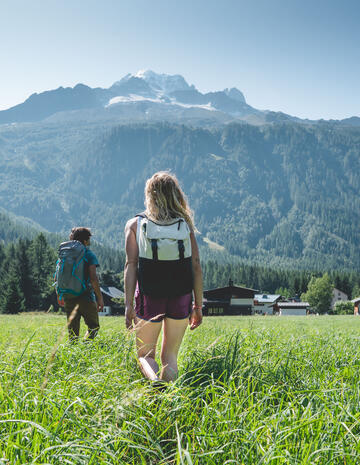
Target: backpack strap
[
  {"x": 139, "y": 216},
  {"x": 138, "y": 230},
  {"x": 154, "y": 247},
  {"x": 181, "y": 249}
]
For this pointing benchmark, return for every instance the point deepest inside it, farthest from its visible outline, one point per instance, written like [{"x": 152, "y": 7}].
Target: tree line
[{"x": 27, "y": 269}]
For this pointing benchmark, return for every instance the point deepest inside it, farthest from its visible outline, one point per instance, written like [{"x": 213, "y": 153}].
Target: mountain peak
[
  {"x": 235, "y": 94},
  {"x": 161, "y": 82}
]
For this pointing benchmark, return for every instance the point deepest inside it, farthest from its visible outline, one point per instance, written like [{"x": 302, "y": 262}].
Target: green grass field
[{"x": 252, "y": 390}]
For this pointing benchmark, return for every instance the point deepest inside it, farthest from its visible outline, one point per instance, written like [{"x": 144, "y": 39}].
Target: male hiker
[{"x": 77, "y": 283}]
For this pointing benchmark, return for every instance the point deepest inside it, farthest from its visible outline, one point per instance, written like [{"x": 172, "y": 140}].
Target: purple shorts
[{"x": 155, "y": 309}]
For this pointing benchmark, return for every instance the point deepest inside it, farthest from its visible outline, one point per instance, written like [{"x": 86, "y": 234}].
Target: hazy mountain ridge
[{"x": 146, "y": 96}]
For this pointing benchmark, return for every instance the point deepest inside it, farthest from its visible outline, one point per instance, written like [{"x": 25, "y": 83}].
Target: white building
[
  {"x": 264, "y": 303},
  {"x": 108, "y": 294},
  {"x": 293, "y": 308},
  {"x": 337, "y": 297}
]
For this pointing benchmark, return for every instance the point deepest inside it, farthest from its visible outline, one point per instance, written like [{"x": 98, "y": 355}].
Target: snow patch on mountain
[
  {"x": 146, "y": 85},
  {"x": 133, "y": 98},
  {"x": 206, "y": 106},
  {"x": 165, "y": 82}
]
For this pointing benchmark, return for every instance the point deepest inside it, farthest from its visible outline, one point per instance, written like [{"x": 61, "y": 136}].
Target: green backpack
[{"x": 70, "y": 270}]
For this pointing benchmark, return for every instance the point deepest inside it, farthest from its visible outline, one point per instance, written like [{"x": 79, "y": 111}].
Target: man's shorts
[{"x": 155, "y": 309}]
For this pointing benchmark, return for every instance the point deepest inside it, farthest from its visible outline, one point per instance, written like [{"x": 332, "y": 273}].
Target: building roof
[
  {"x": 335, "y": 289},
  {"x": 228, "y": 292},
  {"x": 232, "y": 288},
  {"x": 112, "y": 292},
  {"x": 293, "y": 304},
  {"x": 267, "y": 298}
]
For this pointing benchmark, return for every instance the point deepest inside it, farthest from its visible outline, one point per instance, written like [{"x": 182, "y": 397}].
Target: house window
[{"x": 215, "y": 311}]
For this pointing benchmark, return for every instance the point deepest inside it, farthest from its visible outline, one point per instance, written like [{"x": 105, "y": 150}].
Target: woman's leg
[
  {"x": 174, "y": 331},
  {"x": 147, "y": 333}
]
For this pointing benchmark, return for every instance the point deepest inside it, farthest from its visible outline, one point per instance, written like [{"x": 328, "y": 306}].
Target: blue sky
[{"x": 299, "y": 57}]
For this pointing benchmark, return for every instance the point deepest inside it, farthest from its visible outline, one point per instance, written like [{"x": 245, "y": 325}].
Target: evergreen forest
[{"x": 279, "y": 195}]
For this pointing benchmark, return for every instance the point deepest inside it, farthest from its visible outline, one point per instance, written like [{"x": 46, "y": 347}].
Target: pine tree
[
  {"x": 356, "y": 291},
  {"x": 2, "y": 261},
  {"x": 345, "y": 286},
  {"x": 296, "y": 286},
  {"x": 23, "y": 269},
  {"x": 108, "y": 278},
  {"x": 12, "y": 299},
  {"x": 43, "y": 259}
]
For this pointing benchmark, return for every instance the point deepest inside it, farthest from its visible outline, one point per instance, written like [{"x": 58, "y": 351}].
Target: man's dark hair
[{"x": 80, "y": 234}]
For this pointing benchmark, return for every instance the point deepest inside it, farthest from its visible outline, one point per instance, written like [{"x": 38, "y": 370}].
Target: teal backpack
[{"x": 70, "y": 270}]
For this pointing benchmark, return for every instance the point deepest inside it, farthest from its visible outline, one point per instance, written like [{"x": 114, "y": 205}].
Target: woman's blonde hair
[{"x": 165, "y": 200}]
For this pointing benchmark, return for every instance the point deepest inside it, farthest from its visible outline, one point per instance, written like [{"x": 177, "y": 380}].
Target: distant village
[{"x": 236, "y": 300}]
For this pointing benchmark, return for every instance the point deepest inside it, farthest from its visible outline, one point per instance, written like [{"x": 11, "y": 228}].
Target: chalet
[
  {"x": 293, "y": 308},
  {"x": 356, "y": 303},
  {"x": 110, "y": 306},
  {"x": 266, "y": 304},
  {"x": 229, "y": 300},
  {"x": 338, "y": 296}
]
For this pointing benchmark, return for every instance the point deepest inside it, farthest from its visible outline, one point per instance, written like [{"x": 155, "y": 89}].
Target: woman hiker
[{"x": 163, "y": 272}]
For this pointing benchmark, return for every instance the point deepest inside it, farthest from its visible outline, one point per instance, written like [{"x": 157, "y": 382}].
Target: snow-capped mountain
[
  {"x": 146, "y": 85},
  {"x": 169, "y": 88},
  {"x": 145, "y": 95},
  {"x": 165, "y": 83}
]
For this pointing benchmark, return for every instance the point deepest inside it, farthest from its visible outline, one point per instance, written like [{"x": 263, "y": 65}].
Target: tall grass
[{"x": 250, "y": 391}]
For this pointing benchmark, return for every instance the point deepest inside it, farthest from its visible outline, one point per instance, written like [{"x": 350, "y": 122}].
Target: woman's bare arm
[
  {"x": 196, "y": 314},
  {"x": 130, "y": 271}
]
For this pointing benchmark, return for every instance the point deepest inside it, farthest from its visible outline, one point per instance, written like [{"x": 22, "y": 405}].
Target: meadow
[{"x": 251, "y": 390}]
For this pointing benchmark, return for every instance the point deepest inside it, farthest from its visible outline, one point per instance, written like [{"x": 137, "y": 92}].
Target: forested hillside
[
  {"x": 13, "y": 228},
  {"x": 284, "y": 195}
]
